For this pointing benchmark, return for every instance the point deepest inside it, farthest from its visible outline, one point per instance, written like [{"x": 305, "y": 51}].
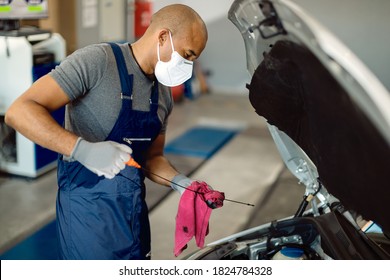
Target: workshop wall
[{"x": 83, "y": 22}]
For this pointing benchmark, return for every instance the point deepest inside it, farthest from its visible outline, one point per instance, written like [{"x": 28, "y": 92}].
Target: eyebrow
[{"x": 193, "y": 53}]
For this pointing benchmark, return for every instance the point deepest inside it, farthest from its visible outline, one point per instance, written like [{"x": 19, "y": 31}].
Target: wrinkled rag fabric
[{"x": 193, "y": 214}]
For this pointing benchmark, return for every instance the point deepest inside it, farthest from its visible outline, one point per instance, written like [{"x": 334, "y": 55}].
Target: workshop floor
[{"x": 247, "y": 168}]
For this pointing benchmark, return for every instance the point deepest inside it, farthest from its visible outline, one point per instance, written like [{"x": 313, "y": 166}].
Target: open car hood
[{"x": 327, "y": 112}]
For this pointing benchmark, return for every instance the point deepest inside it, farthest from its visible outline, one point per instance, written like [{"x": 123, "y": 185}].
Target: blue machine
[{"x": 24, "y": 59}]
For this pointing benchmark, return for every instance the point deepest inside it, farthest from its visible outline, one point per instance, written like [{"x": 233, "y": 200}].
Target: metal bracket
[{"x": 271, "y": 23}]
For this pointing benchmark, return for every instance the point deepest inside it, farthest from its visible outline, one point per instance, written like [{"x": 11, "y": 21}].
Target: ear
[{"x": 163, "y": 36}]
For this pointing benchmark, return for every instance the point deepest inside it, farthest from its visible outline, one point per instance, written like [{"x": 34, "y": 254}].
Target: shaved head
[
  {"x": 173, "y": 25},
  {"x": 179, "y": 19}
]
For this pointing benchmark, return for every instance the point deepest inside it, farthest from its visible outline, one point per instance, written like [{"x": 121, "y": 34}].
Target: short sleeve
[{"x": 81, "y": 71}]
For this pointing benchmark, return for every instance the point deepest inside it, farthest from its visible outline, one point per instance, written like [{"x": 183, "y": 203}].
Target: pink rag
[{"x": 193, "y": 215}]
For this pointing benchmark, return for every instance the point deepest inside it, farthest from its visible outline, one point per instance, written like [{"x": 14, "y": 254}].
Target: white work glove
[
  {"x": 180, "y": 182},
  {"x": 106, "y": 158}
]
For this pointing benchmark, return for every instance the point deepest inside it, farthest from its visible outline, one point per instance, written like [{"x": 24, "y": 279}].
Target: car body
[{"x": 329, "y": 116}]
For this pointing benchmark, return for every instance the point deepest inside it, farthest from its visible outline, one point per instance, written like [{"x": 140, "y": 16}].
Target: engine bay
[{"x": 325, "y": 237}]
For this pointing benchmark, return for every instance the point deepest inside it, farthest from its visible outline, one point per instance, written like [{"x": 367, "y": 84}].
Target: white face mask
[{"x": 175, "y": 71}]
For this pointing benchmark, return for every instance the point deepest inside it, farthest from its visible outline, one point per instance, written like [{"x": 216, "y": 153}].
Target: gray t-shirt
[{"x": 90, "y": 78}]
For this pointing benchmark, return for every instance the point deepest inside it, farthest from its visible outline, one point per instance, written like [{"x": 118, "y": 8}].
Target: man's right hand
[{"x": 106, "y": 158}]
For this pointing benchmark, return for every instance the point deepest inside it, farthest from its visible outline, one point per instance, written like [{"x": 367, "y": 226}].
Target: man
[{"x": 115, "y": 110}]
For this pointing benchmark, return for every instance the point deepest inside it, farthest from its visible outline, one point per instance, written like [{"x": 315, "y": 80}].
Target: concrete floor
[{"x": 248, "y": 168}]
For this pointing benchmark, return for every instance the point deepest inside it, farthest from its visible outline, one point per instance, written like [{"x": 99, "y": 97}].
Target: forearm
[
  {"x": 159, "y": 165},
  {"x": 36, "y": 123}
]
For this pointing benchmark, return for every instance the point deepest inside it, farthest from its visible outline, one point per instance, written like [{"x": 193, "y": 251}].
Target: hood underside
[
  {"x": 309, "y": 85},
  {"x": 293, "y": 91}
]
